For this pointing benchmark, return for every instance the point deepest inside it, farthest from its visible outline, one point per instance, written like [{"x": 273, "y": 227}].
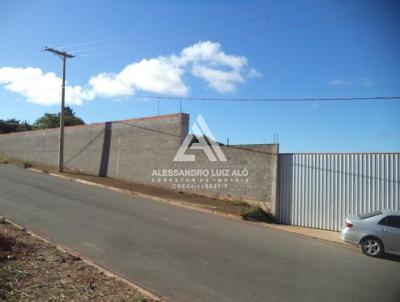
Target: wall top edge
[
  {"x": 140, "y": 119},
  {"x": 339, "y": 153}
]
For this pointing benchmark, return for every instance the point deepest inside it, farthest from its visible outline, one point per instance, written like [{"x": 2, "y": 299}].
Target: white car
[{"x": 376, "y": 232}]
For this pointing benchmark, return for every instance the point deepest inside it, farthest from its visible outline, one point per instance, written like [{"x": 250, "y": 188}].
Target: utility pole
[
  {"x": 64, "y": 56},
  {"x": 275, "y": 138}
]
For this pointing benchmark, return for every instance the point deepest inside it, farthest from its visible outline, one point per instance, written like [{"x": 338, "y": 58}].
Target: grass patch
[
  {"x": 239, "y": 203},
  {"x": 258, "y": 214},
  {"x": 3, "y": 160}
]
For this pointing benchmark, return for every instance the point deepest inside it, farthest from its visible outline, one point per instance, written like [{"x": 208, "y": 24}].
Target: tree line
[{"x": 48, "y": 120}]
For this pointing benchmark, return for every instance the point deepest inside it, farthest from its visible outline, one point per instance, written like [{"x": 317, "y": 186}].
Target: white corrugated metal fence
[{"x": 320, "y": 190}]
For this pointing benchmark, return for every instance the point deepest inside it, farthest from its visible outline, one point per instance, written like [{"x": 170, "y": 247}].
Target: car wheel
[{"x": 372, "y": 246}]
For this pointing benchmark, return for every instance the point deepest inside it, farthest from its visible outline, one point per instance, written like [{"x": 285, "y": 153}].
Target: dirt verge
[{"x": 34, "y": 270}]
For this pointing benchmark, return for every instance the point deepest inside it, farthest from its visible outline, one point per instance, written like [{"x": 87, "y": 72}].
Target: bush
[
  {"x": 258, "y": 214},
  {"x": 27, "y": 165}
]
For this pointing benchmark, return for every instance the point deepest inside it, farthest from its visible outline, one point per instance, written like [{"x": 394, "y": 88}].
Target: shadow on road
[{"x": 391, "y": 257}]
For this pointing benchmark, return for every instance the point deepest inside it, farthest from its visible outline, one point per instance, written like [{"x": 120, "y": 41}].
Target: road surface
[{"x": 184, "y": 255}]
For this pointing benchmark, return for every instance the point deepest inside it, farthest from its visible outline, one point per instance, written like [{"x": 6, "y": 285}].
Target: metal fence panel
[{"x": 319, "y": 190}]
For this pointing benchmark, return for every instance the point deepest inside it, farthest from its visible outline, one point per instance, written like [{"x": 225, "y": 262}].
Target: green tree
[
  {"x": 51, "y": 120},
  {"x": 14, "y": 125}
]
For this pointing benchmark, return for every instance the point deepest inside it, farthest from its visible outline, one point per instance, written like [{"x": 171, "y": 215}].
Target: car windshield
[{"x": 369, "y": 215}]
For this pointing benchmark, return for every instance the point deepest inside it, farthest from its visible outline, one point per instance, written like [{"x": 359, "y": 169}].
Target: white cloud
[
  {"x": 222, "y": 72},
  {"x": 108, "y": 84},
  {"x": 158, "y": 75},
  {"x": 211, "y": 53},
  {"x": 339, "y": 82},
  {"x": 162, "y": 75},
  {"x": 75, "y": 95},
  {"x": 221, "y": 81},
  {"x": 40, "y": 88}
]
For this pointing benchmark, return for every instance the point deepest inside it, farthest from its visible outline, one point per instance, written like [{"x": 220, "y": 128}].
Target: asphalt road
[{"x": 184, "y": 255}]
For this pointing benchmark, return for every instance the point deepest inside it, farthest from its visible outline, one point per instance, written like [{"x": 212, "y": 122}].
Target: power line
[
  {"x": 310, "y": 99},
  {"x": 216, "y": 17},
  {"x": 217, "y": 26},
  {"x": 242, "y": 11},
  {"x": 310, "y": 23},
  {"x": 99, "y": 54},
  {"x": 271, "y": 29},
  {"x": 296, "y": 10},
  {"x": 90, "y": 42},
  {"x": 76, "y": 51},
  {"x": 332, "y": 89},
  {"x": 233, "y": 13},
  {"x": 316, "y": 99}
]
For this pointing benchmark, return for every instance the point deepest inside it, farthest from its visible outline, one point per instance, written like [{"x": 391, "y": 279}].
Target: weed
[{"x": 258, "y": 214}]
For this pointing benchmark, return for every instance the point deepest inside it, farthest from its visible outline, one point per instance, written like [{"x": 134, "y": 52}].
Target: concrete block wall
[
  {"x": 98, "y": 148},
  {"x": 134, "y": 149},
  {"x": 255, "y": 181}
]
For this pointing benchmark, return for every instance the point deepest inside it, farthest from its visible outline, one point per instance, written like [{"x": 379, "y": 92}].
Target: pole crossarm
[{"x": 58, "y": 52}]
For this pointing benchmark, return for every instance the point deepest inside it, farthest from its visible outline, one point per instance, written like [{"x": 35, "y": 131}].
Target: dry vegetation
[{"x": 33, "y": 270}]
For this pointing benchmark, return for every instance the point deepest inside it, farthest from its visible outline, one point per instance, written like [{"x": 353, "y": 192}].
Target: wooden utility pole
[{"x": 64, "y": 56}]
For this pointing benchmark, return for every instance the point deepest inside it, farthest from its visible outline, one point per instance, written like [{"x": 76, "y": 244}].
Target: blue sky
[{"x": 254, "y": 49}]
